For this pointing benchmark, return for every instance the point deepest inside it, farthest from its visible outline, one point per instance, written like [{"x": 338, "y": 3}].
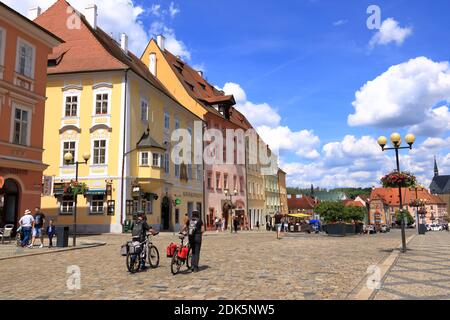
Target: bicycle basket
[{"x": 135, "y": 248}]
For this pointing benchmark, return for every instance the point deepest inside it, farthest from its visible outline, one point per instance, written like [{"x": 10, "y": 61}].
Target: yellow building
[
  {"x": 283, "y": 191},
  {"x": 103, "y": 101}
]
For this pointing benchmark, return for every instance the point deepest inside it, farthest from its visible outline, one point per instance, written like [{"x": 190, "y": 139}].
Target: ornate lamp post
[
  {"x": 396, "y": 140},
  {"x": 230, "y": 196},
  {"x": 68, "y": 158}
]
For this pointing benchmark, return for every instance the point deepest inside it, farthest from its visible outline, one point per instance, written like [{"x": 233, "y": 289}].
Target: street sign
[
  {"x": 2, "y": 182},
  {"x": 177, "y": 202}
]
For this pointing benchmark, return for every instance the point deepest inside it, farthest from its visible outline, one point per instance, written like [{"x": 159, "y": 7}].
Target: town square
[{"x": 136, "y": 164}]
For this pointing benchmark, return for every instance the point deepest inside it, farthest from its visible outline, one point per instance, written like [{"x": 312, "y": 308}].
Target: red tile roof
[
  {"x": 390, "y": 196},
  {"x": 303, "y": 203},
  {"x": 87, "y": 49},
  {"x": 352, "y": 203}
]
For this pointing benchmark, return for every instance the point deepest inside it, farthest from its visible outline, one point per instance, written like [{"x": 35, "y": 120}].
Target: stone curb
[
  {"x": 86, "y": 246},
  {"x": 368, "y": 294}
]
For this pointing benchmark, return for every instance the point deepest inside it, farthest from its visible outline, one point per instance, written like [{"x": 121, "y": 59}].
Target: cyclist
[
  {"x": 195, "y": 229},
  {"x": 139, "y": 232}
]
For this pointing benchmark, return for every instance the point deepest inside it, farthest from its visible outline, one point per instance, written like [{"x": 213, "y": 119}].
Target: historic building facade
[{"x": 24, "y": 47}]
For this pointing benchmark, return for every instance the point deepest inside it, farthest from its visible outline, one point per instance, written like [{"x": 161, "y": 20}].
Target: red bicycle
[{"x": 182, "y": 256}]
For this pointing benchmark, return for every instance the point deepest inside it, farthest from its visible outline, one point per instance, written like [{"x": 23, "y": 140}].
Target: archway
[
  {"x": 9, "y": 203},
  {"x": 165, "y": 214}
]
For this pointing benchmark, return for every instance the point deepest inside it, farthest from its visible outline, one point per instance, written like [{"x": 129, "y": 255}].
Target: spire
[
  {"x": 312, "y": 191},
  {"x": 436, "y": 169}
]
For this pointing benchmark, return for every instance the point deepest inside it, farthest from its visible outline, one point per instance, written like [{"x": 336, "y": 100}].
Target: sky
[{"x": 320, "y": 80}]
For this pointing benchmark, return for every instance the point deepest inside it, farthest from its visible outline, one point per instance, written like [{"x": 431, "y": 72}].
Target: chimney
[
  {"x": 152, "y": 63},
  {"x": 160, "y": 41},
  {"x": 200, "y": 73},
  {"x": 34, "y": 12},
  {"x": 91, "y": 15},
  {"x": 124, "y": 42}
]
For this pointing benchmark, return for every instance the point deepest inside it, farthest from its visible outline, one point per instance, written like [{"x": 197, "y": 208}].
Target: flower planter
[
  {"x": 359, "y": 228},
  {"x": 336, "y": 230},
  {"x": 350, "y": 229}
]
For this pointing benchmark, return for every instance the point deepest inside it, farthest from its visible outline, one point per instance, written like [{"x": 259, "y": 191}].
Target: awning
[{"x": 299, "y": 215}]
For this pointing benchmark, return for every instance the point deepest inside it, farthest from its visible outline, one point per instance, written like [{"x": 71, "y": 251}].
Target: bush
[
  {"x": 355, "y": 214},
  {"x": 399, "y": 215}
]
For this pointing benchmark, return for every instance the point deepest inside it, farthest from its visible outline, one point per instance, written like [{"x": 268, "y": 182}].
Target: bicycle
[
  {"x": 138, "y": 251},
  {"x": 180, "y": 257}
]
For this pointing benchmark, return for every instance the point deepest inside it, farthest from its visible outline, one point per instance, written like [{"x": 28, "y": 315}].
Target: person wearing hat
[
  {"x": 140, "y": 229},
  {"x": 26, "y": 222}
]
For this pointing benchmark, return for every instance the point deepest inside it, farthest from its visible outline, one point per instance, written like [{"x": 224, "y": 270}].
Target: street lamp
[
  {"x": 230, "y": 195},
  {"x": 396, "y": 140},
  {"x": 68, "y": 158}
]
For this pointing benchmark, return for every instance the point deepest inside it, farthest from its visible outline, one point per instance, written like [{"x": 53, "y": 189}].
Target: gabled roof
[
  {"x": 303, "y": 203},
  {"x": 87, "y": 49},
  {"x": 440, "y": 185},
  {"x": 390, "y": 196},
  {"x": 352, "y": 203}
]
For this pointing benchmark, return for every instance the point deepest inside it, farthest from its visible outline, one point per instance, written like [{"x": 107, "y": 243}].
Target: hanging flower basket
[
  {"x": 399, "y": 179},
  {"x": 76, "y": 188}
]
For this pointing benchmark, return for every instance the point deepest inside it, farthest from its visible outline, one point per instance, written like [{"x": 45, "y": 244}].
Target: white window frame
[
  {"x": 91, "y": 206},
  {"x": 106, "y": 152},
  {"x": 144, "y": 100},
  {"x": 71, "y": 94},
  {"x": 101, "y": 91},
  {"x": 61, "y": 206},
  {"x": 75, "y": 156},
  {"x": 148, "y": 207},
  {"x": 141, "y": 157},
  {"x": 20, "y": 42},
  {"x": 166, "y": 121},
  {"x": 167, "y": 163},
  {"x": 16, "y": 106},
  {"x": 158, "y": 165}
]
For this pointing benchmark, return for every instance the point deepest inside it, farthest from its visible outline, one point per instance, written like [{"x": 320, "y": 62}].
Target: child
[{"x": 51, "y": 230}]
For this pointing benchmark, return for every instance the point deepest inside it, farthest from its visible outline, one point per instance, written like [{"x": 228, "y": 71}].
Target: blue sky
[{"x": 296, "y": 66}]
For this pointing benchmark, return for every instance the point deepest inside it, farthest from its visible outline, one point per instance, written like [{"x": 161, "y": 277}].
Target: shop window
[
  {"x": 97, "y": 205},
  {"x": 67, "y": 205}
]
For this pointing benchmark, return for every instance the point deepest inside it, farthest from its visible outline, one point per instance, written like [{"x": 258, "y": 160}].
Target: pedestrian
[
  {"x": 51, "y": 231},
  {"x": 195, "y": 232},
  {"x": 216, "y": 222},
  {"x": 223, "y": 224},
  {"x": 39, "y": 221},
  {"x": 257, "y": 225},
  {"x": 140, "y": 229},
  {"x": 278, "y": 224},
  {"x": 26, "y": 223},
  {"x": 235, "y": 224}
]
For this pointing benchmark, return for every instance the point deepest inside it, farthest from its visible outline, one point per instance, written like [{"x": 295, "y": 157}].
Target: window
[
  {"x": 217, "y": 180},
  {"x": 166, "y": 120},
  {"x": 225, "y": 182},
  {"x": 20, "y": 126},
  {"x": 2, "y": 46},
  {"x": 67, "y": 205},
  {"x": 69, "y": 147},
  {"x": 189, "y": 171},
  {"x": 71, "y": 106},
  {"x": 148, "y": 207},
  {"x": 97, "y": 204},
  {"x": 99, "y": 151},
  {"x": 177, "y": 170},
  {"x": 101, "y": 103},
  {"x": 166, "y": 163},
  {"x": 25, "y": 59},
  {"x": 199, "y": 172},
  {"x": 209, "y": 181},
  {"x": 144, "y": 110},
  {"x": 144, "y": 159},
  {"x": 177, "y": 124},
  {"x": 156, "y": 160}
]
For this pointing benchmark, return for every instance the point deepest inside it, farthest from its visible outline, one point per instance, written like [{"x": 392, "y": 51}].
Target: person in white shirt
[{"x": 26, "y": 222}]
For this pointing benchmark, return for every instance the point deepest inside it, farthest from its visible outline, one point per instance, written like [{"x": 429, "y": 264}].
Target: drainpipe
[
  {"x": 124, "y": 146},
  {"x": 246, "y": 185},
  {"x": 203, "y": 178}
]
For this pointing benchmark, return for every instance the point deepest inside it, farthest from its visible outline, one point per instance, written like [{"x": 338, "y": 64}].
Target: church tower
[{"x": 436, "y": 169}]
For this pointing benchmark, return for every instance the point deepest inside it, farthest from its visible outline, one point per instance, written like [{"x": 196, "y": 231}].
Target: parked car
[
  {"x": 436, "y": 227},
  {"x": 385, "y": 229},
  {"x": 428, "y": 227},
  {"x": 371, "y": 229}
]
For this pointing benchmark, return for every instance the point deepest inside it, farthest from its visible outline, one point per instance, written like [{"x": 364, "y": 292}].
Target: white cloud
[
  {"x": 174, "y": 45},
  {"x": 173, "y": 10},
  {"x": 405, "y": 95},
  {"x": 114, "y": 16},
  {"x": 390, "y": 31},
  {"x": 340, "y": 23},
  {"x": 156, "y": 10},
  {"x": 267, "y": 121}
]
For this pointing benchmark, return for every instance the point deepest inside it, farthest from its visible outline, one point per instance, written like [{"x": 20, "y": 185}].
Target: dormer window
[
  {"x": 190, "y": 86},
  {"x": 202, "y": 85}
]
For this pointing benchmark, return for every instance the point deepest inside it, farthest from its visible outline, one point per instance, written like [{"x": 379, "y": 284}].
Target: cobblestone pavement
[
  {"x": 422, "y": 273},
  {"x": 243, "y": 266}
]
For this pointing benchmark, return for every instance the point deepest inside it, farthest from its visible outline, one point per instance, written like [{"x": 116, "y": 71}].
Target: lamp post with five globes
[
  {"x": 68, "y": 158},
  {"x": 396, "y": 140}
]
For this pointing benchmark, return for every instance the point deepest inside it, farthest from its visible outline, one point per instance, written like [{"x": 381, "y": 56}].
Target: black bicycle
[
  {"x": 141, "y": 251},
  {"x": 182, "y": 256}
]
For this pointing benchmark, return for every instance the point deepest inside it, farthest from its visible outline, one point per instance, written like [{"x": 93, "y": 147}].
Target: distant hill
[{"x": 351, "y": 193}]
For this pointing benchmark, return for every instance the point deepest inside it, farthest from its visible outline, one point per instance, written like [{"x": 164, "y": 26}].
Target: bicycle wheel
[
  {"x": 189, "y": 259},
  {"x": 175, "y": 263},
  {"x": 153, "y": 256},
  {"x": 133, "y": 261}
]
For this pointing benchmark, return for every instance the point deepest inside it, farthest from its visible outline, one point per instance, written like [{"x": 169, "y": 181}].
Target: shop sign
[{"x": 47, "y": 188}]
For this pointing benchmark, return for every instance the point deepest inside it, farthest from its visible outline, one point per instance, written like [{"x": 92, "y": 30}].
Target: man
[
  {"x": 195, "y": 232},
  {"x": 278, "y": 218},
  {"x": 139, "y": 231},
  {"x": 26, "y": 222},
  {"x": 39, "y": 221}
]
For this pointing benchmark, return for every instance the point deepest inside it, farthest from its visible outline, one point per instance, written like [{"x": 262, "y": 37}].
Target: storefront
[{"x": 9, "y": 202}]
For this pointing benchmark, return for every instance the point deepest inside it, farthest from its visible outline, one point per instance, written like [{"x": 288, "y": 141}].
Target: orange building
[{"x": 24, "y": 48}]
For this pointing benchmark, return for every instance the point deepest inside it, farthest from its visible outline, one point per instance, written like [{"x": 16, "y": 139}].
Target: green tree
[
  {"x": 356, "y": 214},
  {"x": 399, "y": 215},
  {"x": 331, "y": 211}
]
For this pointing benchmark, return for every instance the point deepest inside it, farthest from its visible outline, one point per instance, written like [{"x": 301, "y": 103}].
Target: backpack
[
  {"x": 137, "y": 229},
  {"x": 193, "y": 227}
]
